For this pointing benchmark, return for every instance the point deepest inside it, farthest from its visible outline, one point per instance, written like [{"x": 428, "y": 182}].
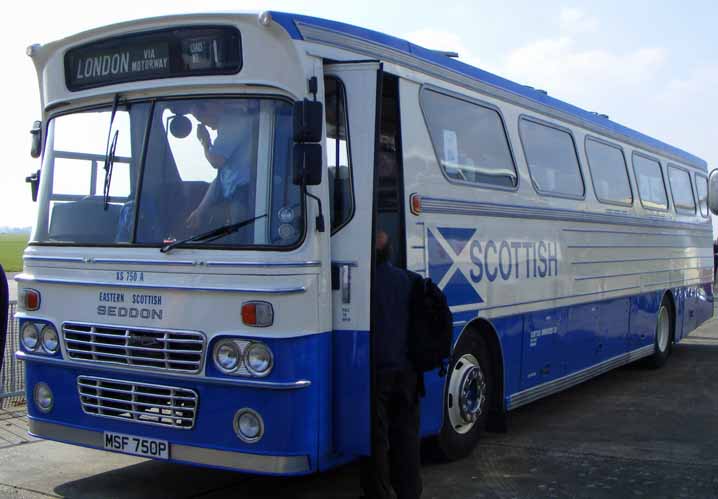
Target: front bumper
[{"x": 239, "y": 461}]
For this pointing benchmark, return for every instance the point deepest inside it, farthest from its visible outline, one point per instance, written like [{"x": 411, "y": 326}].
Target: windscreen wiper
[
  {"x": 211, "y": 235},
  {"x": 110, "y": 154}
]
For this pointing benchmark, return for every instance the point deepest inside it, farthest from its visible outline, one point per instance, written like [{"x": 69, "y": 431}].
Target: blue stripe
[{"x": 289, "y": 23}]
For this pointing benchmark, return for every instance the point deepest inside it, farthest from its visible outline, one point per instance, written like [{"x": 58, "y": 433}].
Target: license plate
[{"x": 138, "y": 446}]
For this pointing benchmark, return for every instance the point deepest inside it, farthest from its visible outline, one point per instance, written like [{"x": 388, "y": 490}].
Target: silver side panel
[{"x": 555, "y": 386}]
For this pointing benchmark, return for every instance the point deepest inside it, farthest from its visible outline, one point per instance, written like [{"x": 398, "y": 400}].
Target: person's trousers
[{"x": 395, "y": 461}]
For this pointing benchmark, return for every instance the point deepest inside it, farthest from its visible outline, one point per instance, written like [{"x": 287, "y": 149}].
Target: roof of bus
[{"x": 289, "y": 22}]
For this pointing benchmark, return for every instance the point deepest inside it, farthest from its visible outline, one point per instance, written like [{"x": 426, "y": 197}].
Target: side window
[
  {"x": 681, "y": 189},
  {"x": 341, "y": 192},
  {"x": 649, "y": 178},
  {"x": 552, "y": 160},
  {"x": 469, "y": 140},
  {"x": 702, "y": 194},
  {"x": 609, "y": 172}
]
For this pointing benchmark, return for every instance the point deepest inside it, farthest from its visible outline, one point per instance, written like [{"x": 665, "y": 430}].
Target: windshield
[{"x": 206, "y": 163}]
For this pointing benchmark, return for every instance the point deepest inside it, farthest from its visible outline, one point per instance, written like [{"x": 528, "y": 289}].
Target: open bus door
[{"x": 351, "y": 90}]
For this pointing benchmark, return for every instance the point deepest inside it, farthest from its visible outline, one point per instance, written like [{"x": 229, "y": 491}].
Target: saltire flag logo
[{"x": 450, "y": 264}]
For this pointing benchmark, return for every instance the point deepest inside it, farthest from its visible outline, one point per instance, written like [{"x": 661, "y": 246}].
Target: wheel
[
  {"x": 665, "y": 329},
  {"x": 469, "y": 393}
]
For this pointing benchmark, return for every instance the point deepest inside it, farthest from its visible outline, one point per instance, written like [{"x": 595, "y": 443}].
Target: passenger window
[
  {"x": 681, "y": 189},
  {"x": 702, "y": 192},
  {"x": 469, "y": 140},
  {"x": 650, "y": 183},
  {"x": 341, "y": 192},
  {"x": 552, "y": 160},
  {"x": 609, "y": 172}
]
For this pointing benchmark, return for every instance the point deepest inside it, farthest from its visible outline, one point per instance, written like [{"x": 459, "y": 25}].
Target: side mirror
[
  {"x": 34, "y": 181},
  {"x": 713, "y": 192},
  {"x": 307, "y": 121},
  {"x": 307, "y": 164},
  {"x": 36, "y": 132}
]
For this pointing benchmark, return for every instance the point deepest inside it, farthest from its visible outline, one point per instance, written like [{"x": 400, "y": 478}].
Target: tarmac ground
[{"x": 634, "y": 432}]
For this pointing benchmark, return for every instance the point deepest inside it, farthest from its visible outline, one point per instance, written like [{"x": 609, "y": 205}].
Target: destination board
[{"x": 156, "y": 54}]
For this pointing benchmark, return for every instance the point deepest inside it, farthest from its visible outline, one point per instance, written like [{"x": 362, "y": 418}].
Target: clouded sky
[{"x": 648, "y": 65}]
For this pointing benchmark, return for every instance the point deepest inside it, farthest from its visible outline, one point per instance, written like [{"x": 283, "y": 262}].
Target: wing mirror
[
  {"x": 307, "y": 154},
  {"x": 308, "y": 121},
  {"x": 307, "y": 167},
  {"x": 713, "y": 192},
  {"x": 36, "y": 132},
  {"x": 34, "y": 181},
  {"x": 307, "y": 157}
]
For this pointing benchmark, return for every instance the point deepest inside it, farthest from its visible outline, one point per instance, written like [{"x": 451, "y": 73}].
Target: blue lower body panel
[
  {"x": 290, "y": 416},
  {"x": 551, "y": 349}
]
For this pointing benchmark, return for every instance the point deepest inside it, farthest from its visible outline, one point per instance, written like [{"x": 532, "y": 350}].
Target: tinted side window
[
  {"x": 608, "y": 170},
  {"x": 702, "y": 192},
  {"x": 552, "y": 160},
  {"x": 650, "y": 183},
  {"x": 681, "y": 188},
  {"x": 341, "y": 192},
  {"x": 469, "y": 140}
]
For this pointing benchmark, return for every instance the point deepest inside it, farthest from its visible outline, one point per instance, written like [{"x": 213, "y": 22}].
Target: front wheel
[
  {"x": 663, "y": 342},
  {"x": 469, "y": 394}
]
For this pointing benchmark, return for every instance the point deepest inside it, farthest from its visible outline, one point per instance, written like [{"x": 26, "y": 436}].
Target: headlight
[
  {"x": 248, "y": 425},
  {"x": 258, "y": 358},
  {"x": 50, "y": 341},
  {"x": 227, "y": 356},
  {"x": 30, "y": 336},
  {"x": 44, "y": 399}
]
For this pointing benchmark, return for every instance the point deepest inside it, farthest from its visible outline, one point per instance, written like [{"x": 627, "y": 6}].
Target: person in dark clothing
[
  {"x": 395, "y": 461},
  {"x": 4, "y": 297}
]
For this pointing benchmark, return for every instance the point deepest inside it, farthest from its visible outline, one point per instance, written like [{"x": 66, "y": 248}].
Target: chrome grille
[
  {"x": 144, "y": 348},
  {"x": 143, "y": 403}
]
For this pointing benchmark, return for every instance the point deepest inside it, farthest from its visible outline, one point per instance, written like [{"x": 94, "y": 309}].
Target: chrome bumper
[{"x": 240, "y": 461}]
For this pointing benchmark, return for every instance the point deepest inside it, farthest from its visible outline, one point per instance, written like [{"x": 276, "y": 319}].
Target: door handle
[{"x": 342, "y": 279}]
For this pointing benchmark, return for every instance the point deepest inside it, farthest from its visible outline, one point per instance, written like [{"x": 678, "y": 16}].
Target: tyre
[
  {"x": 665, "y": 331},
  {"x": 469, "y": 393}
]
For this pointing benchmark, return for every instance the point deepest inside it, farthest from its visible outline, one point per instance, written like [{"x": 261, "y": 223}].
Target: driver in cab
[{"x": 231, "y": 155}]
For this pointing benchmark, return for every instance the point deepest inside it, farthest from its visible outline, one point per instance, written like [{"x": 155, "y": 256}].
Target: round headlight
[
  {"x": 248, "y": 425},
  {"x": 30, "y": 336},
  {"x": 43, "y": 397},
  {"x": 286, "y": 231},
  {"x": 226, "y": 356},
  {"x": 49, "y": 339},
  {"x": 258, "y": 358}
]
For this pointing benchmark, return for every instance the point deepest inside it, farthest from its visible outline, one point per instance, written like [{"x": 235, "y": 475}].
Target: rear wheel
[
  {"x": 469, "y": 394},
  {"x": 665, "y": 330}
]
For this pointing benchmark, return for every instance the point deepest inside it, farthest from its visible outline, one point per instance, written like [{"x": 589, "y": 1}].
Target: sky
[{"x": 649, "y": 65}]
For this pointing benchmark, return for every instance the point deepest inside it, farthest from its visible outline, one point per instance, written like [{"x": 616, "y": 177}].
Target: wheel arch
[{"x": 485, "y": 329}]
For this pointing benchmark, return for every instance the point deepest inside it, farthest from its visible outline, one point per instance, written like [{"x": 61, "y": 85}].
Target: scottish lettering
[
  {"x": 147, "y": 305},
  {"x": 464, "y": 264}
]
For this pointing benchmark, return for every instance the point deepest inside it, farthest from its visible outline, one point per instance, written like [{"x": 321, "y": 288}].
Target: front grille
[
  {"x": 143, "y": 403},
  {"x": 167, "y": 350}
]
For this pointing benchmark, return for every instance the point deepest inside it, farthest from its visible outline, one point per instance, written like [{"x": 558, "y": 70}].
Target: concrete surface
[{"x": 634, "y": 433}]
